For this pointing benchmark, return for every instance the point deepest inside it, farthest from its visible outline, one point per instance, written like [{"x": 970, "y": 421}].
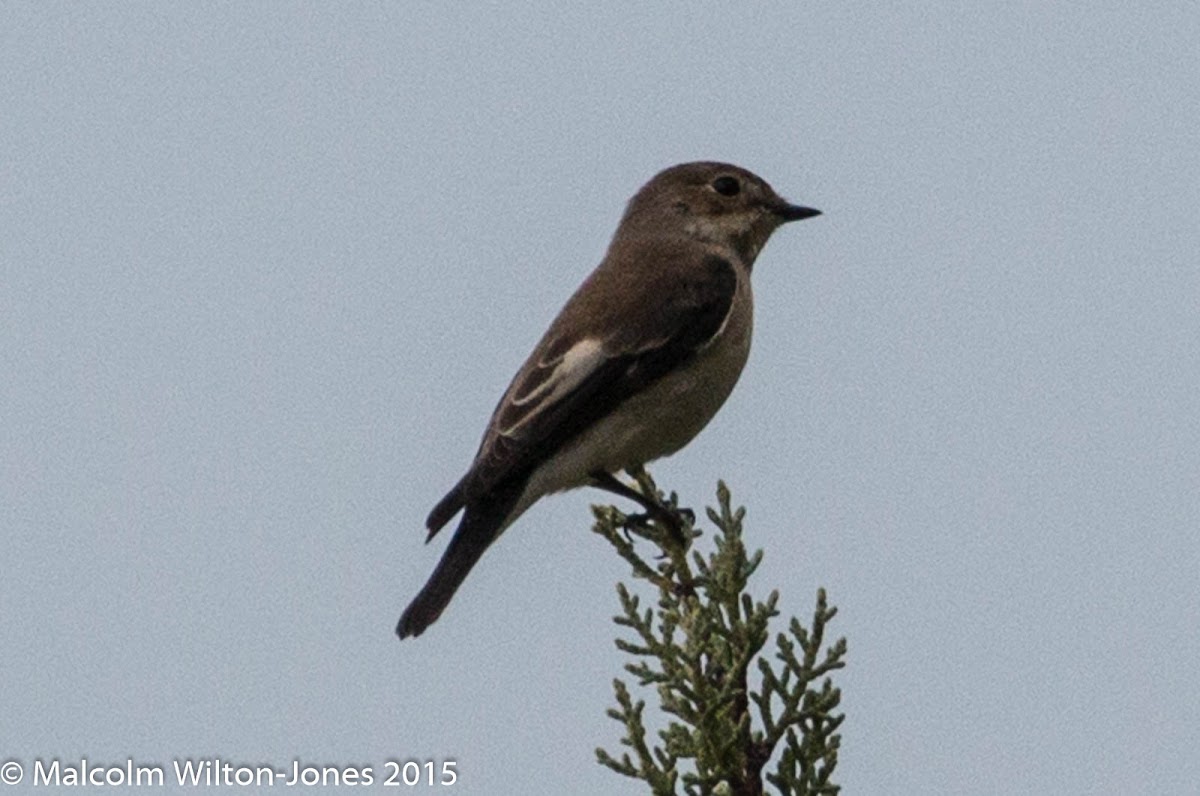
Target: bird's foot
[{"x": 676, "y": 521}]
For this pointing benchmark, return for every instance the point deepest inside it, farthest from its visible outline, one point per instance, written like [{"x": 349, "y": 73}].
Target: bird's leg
[
  {"x": 647, "y": 486},
  {"x": 654, "y": 509}
]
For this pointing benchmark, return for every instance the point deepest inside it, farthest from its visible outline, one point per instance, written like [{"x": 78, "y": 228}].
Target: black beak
[{"x": 796, "y": 212}]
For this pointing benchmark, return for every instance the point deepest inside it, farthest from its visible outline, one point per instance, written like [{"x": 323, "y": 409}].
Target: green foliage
[{"x": 698, "y": 649}]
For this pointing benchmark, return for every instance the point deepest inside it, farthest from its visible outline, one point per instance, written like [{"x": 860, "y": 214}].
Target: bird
[{"x": 634, "y": 366}]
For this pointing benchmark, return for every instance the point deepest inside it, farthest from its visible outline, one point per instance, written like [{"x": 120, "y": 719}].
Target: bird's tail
[{"x": 477, "y": 530}]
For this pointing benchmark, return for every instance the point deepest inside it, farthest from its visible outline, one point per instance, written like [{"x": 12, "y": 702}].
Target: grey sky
[{"x": 265, "y": 270}]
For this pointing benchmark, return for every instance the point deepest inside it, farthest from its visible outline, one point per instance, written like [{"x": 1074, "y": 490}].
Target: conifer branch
[{"x": 699, "y": 647}]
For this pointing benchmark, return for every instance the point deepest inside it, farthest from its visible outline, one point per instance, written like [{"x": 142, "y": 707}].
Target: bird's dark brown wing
[{"x": 580, "y": 373}]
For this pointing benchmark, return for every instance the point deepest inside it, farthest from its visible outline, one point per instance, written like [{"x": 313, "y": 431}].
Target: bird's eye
[{"x": 726, "y": 186}]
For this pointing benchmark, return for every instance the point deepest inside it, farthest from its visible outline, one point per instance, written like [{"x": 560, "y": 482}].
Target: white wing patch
[{"x": 571, "y": 370}]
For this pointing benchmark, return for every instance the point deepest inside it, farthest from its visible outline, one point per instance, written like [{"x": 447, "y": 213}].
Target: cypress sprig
[{"x": 697, "y": 648}]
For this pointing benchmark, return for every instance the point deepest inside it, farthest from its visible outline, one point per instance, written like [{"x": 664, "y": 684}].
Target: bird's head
[{"x": 716, "y": 203}]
